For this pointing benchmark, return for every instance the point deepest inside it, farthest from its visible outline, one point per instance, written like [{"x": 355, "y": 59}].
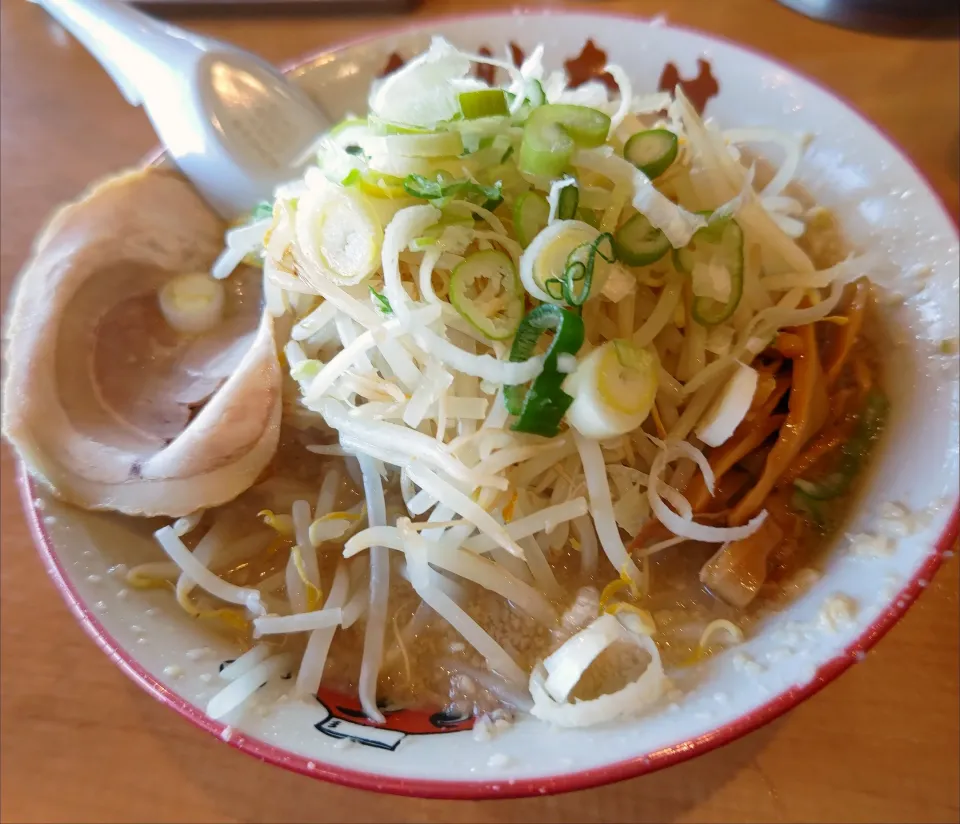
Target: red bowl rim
[{"x": 504, "y": 788}]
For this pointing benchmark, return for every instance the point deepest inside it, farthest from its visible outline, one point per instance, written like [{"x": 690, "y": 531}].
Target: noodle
[
  {"x": 525, "y": 428},
  {"x": 379, "y": 591},
  {"x": 315, "y": 655}
]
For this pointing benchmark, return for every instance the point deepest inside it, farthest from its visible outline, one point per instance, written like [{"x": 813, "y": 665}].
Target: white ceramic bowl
[{"x": 884, "y": 203}]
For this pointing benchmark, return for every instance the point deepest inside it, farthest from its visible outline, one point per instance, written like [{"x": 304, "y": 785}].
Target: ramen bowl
[{"x": 904, "y": 520}]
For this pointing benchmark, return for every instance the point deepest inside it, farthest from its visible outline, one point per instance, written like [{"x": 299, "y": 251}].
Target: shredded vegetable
[{"x": 536, "y": 339}]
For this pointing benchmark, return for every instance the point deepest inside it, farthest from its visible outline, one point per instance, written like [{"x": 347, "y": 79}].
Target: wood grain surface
[{"x": 81, "y": 743}]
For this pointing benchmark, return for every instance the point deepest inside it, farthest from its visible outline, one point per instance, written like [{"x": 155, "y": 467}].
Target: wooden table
[{"x": 82, "y": 743}]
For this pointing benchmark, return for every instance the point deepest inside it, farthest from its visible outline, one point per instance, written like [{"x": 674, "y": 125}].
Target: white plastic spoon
[{"x": 232, "y": 123}]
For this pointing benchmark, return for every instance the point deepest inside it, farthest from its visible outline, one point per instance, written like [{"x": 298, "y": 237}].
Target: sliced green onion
[
  {"x": 718, "y": 243},
  {"x": 852, "y": 454},
  {"x": 443, "y": 188},
  {"x": 457, "y": 218},
  {"x": 579, "y": 269},
  {"x": 554, "y": 288},
  {"x": 483, "y": 103},
  {"x": 535, "y": 93},
  {"x": 348, "y": 123},
  {"x": 485, "y": 142},
  {"x": 533, "y": 97},
  {"x": 339, "y": 233},
  {"x": 431, "y": 144},
  {"x": 383, "y": 303},
  {"x": 543, "y": 405},
  {"x": 432, "y": 234},
  {"x": 639, "y": 243},
  {"x": 422, "y": 243},
  {"x": 544, "y": 262},
  {"x": 262, "y": 210},
  {"x": 491, "y": 275},
  {"x": 353, "y": 176},
  {"x": 383, "y": 127},
  {"x": 377, "y": 184},
  {"x": 567, "y": 202},
  {"x": 631, "y": 388},
  {"x": 652, "y": 151},
  {"x": 552, "y": 133},
  {"x": 530, "y": 214},
  {"x": 613, "y": 389},
  {"x": 504, "y": 174},
  {"x": 349, "y": 133}
]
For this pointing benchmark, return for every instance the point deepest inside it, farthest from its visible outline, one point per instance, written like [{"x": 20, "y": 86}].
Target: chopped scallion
[
  {"x": 652, "y": 151},
  {"x": 483, "y": 103},
  {"x": 383, "y": 303},
  {"x": 552, "y": 133},
  {"x": 262, "y": 210},
  {"x": 567, "y": 202},
  {"x": 578, "y": 272},
  {"x": 542, "y": 406},
  {"x": 498, "y": 316},
  {"x": 530, "y": 214},
  {"x": 718, "y": 244},
  {"x": 639, "y": 243}
]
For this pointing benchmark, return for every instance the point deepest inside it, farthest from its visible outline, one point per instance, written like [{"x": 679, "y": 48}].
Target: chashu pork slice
[{"x": 105, "y": 402}]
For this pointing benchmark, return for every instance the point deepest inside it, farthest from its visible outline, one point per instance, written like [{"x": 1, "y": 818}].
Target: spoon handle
[
  {"x": 125, "y": 41},
  {"x": 232, "y": 123}
]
